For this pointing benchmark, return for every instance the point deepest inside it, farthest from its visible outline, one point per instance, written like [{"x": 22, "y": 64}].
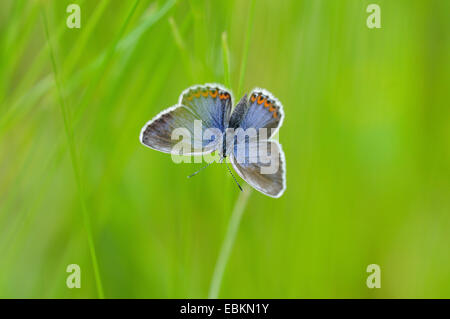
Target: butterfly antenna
[
  {"x": 233, "y": 176},
  {"x": 201, "y": 169}
]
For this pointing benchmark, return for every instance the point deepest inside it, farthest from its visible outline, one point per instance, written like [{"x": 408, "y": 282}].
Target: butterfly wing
[
  {"x": 266, "y": 172},
  {"x": 261, "y": 110},
  {"x": 258, "y": 160},
  {"x": 210, "y": 105}
]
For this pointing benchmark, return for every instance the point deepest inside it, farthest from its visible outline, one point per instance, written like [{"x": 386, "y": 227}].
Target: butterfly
[{"x": 257, "y": 159}]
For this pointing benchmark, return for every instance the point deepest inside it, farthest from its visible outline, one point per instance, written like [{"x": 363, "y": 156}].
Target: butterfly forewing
[
  {"x": 203, "y": 107},
  {"x": 160, "y": 133},
  {"x": 263, "y": 110},
  {"x": 211, "y": 103}
]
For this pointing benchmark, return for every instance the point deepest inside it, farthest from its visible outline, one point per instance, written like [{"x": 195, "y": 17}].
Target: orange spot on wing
[
  {"x": 275, "y": 114},
  {"x": 205, "y": 93},
  {"x": 213, "y": 93},
  {"x": 197, "y": 94},
  {"x": 253, "y": 98},
  {"x": 271, "y": 109},
  {"x": 261, "y": 99},
  {"x": 267, "y": 104}
]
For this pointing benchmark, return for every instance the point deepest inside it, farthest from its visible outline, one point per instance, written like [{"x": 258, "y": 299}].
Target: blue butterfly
[{"x": 243, "y": 135}]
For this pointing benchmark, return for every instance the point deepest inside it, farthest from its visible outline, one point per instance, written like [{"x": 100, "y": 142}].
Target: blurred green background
[{"x": 366, "y": 137}]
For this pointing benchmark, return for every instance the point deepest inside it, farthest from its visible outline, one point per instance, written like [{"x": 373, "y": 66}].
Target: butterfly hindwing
[{"x": 266, "y": 173}]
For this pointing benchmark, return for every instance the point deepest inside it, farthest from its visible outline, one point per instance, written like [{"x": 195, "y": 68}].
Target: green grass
[
  {"x": 226, "y": 60},
  {"x": 366, "y": 138},
  {"x": 75, "y": 165}
]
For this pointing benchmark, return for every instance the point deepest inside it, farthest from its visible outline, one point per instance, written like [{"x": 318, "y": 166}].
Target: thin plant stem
[
  {"x": 226, "y": 60},
  {"x": 227, "y": 245},
  {"x": 181, "y": 44},
  {"x": 75, "y": 165},
  {"x": 236, "y": 216},
  {"x": 246, "y": 46}
]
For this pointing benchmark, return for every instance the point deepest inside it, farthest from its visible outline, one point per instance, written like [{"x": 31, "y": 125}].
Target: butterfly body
[{"x": 243, "y": 134}]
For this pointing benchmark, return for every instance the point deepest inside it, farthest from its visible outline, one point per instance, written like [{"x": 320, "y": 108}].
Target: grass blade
[
  {"x": 235, "y": 220},
  {"x": 75, "y": 165},
  {"x": 226, "y": 60},
  {"x": 246, "y": 46},
  {"x": 228, "y": 243}
]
